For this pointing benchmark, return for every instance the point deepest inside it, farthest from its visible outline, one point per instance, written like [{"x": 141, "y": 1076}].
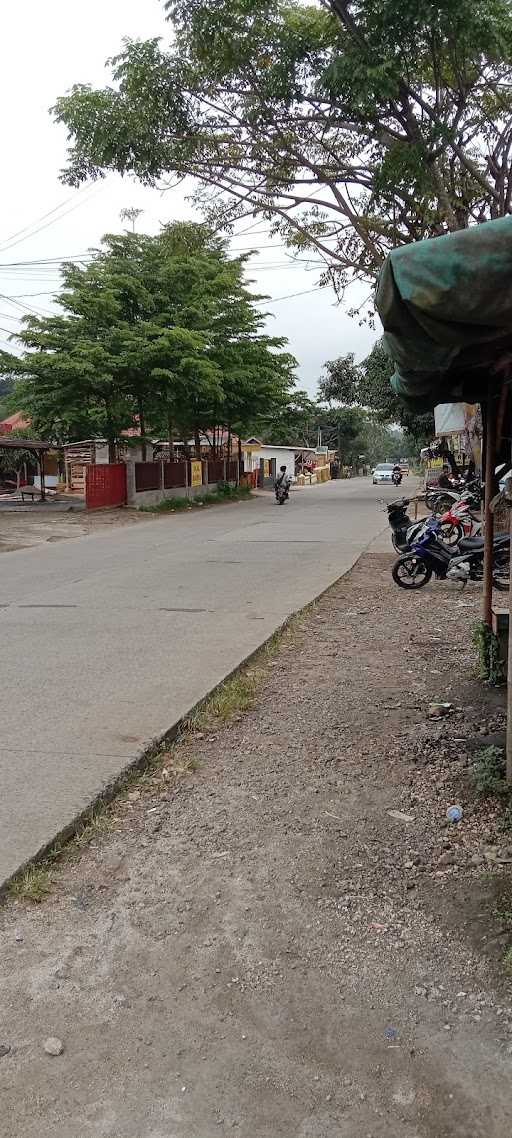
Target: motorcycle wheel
[
  {"x": 411, "y": 572},
  {"x": 450, "y": 533},
  {"x": 441, "y": 504}
]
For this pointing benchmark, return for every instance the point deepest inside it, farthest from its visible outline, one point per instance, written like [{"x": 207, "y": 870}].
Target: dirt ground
[
  {"x": 259, "y": 947},
  {"x": 20, "y": 529}
]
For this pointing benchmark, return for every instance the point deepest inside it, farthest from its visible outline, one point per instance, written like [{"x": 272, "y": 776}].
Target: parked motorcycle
[
  {"x": 439, "y": 501},
  {"x": 459, "y": 522},
  {"x": 404, "y": 531},
  {"x": 400, "y": 522},
  {"x": 429, "y": 554}
]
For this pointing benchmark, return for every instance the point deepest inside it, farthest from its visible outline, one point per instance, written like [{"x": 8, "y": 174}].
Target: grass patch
[
  {"x": 224, "y": 493},
  {"x": 507, "y": 961},
  {"x": 236, "y": 695},
  {"x": 33, "y": 884}
]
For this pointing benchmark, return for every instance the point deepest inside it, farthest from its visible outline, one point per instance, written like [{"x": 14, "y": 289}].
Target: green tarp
[{"x": 446, "y": 308}]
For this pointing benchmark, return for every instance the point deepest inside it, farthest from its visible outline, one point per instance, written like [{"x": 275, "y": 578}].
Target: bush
[
  {"x": 490, "y": 664},
  {"x": 488, "y": 772}
]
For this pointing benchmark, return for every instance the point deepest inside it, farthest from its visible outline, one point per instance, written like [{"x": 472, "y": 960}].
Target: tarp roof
[{"x": 446, "y": 308}]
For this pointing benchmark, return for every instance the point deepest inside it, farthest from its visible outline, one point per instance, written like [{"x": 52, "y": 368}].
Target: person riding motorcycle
[
  {"x": 396, "y": 476},
  {"x": 282, "y": 482}
]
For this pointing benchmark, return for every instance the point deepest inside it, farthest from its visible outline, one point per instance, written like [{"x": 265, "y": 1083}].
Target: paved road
[{"x": 108, "y": 640}]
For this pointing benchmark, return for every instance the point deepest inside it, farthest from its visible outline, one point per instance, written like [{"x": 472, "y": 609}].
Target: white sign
[{"x": 449, "y": 418}]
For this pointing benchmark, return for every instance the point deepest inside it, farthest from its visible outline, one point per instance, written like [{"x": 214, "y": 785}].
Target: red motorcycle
[{"x": 459, "y": 521}]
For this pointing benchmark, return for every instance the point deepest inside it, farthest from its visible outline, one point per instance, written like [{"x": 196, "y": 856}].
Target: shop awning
[{"x": 446, "y": 308}]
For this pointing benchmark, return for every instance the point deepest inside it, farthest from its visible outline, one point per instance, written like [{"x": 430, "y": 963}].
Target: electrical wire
[
  {"x": 291, "y": 295},
  {"x": 39, "y": 229},
  {"x": 43, "y": 217},
  {"x": 25, "y": 307}
]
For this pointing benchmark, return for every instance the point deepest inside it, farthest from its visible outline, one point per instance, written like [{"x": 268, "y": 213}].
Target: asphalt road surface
[{"x": 108, "y": 641}]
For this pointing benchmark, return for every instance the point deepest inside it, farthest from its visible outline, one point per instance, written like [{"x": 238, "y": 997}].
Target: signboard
[
  {"x": 449, "y": 418},
  {"x": 196, "y": 473}
]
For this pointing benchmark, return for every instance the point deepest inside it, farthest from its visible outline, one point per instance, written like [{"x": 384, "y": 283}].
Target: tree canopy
[
  {"x": 352, "y": 125},
  {"x": 159, "y": 332},
  {"x": 352, "y": 431},
  {"x": 367, "y": 385}
]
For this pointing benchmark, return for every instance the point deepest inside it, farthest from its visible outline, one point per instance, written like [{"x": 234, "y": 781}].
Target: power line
[
  {"x": 39, "y": 229},
  {"x": 37, "y": 220},
  {"x": 47, "y": 260},
  {"x": 290, "y": 295},
  {"x": 25, "y": 307}
]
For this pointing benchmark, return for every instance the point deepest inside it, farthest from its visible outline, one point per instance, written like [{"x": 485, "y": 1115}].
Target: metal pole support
[{"x": 490, "y": 462}]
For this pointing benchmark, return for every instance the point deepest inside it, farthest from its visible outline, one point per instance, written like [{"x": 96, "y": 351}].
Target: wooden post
[
  {"x": 509, "y": 676},
  {"x": 490, "y": 462},
  {"x": 41, "y": 475}
]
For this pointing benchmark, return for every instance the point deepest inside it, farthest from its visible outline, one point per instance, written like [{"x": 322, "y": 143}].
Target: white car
[{"x": 383, "y": 473}]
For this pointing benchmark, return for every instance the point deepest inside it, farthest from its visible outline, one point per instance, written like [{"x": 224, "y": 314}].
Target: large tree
[
  {"x": 352, "y": 125},
  {"x": 160, "y": 331},
  {"x": 367, "y": 385}
]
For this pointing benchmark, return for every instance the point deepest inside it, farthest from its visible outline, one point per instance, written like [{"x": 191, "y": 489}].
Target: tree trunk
[{"x": 197, "y": 440}]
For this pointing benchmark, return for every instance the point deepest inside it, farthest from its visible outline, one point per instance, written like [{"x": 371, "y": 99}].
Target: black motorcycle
[
  {"x": 428, "y": 555},
  {"x": 396, "y": 476},
  {"x": 400, "y": 522}
]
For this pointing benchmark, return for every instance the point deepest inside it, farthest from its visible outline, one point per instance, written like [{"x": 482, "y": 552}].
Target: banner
[
  {"x": 449, "y": 418},
  {"x": 196, "y": 473}
]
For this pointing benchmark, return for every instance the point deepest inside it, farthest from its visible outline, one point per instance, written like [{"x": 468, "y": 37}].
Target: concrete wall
[{"x": 154, "y": 497}]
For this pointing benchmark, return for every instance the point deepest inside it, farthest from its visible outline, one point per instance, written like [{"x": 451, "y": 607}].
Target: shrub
[{"x": 488, "y": 772}]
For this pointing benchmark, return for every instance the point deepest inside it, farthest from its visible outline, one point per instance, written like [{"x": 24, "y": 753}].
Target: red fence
[
  {"x": 105, "y": 485},
  {"x": 175, "y": 474},
  {"x": 148, "y": 475},
  {"x": 232, "y": 470}
]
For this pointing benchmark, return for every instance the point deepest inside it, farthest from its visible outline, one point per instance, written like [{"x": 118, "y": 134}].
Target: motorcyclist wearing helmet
[{"x": 283, "y": 480}]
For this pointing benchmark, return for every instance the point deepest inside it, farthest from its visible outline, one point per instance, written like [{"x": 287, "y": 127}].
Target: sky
[{"x": 46, "y": 49}]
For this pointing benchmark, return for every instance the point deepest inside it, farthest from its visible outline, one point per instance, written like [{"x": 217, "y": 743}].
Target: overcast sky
[{"x": 46, "y": 48}]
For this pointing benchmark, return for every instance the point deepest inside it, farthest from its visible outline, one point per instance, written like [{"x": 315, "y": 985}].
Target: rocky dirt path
[{"x": 257, "y": 947}]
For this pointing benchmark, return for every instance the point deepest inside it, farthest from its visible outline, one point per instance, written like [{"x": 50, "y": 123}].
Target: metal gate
[{"x": 105, "y": 485}]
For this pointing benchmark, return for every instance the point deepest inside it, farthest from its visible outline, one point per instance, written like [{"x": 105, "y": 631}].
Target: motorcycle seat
[{"x": 473, "y": 544}]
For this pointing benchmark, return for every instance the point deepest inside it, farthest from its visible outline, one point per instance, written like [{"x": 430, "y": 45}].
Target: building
[
  {"x": 16, "y": 422},
  {"x": 86, "y": 452},
  {"x": 267, "y": 459}
]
